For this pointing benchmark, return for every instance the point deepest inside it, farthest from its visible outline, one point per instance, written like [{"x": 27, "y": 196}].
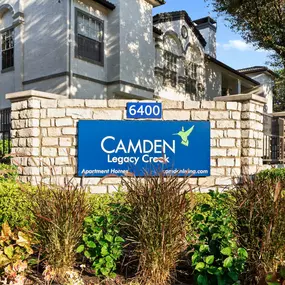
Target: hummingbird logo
[{"x": 184, "y": 135}]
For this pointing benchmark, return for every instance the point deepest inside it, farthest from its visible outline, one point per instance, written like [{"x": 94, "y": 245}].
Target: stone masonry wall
[{"x": 44, "y": 136}]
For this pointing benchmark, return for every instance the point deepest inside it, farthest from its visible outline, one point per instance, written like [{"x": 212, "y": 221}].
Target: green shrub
[
  {"x": 215, "y": 255},
  {"x": 8, "y": 172},
  {"x": 14, "y": 204},
  {"x": 59, "y": 216},
  {"x": 260, "y": 210},
  {"x": 274, "y": 175},
  {"x": 101, "y": 241},
  {"x": 156, "y": 225},
  {"x": 5, "y": 147}
]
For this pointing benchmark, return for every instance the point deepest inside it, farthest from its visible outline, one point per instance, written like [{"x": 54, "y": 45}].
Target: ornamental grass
[
  {"x": 156, "y": 225},
  {"x": 59, "y": 214}
]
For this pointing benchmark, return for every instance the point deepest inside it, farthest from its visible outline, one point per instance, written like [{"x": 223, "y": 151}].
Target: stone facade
[{"x": 44, "y": 135}]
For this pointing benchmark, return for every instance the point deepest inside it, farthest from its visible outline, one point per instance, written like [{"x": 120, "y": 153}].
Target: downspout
[{"x": 70, "y": 50}]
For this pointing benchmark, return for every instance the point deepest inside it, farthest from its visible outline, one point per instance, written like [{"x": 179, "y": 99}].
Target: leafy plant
[
  {"x": 260, "y": 210},
  {"x": 215, "y": 255},
  {"x": 272, "y": 175},
  {"x": 8, "y": 172},
  {"x": 60, "y": 212},
  {"x": 277, "y": 278},
  {"x": 5, "y": 147},
  {"x": 14, "y": 204},
  {"x": 15, "y": 252},
  {"x": 101, "y": 241},
  {"x": 156, "y": 224}
]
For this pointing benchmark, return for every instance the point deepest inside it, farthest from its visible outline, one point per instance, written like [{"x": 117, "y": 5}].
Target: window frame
[
  {"x": 12, "y": 67},
  {"x": 191, "y": 74},
  {"x": 170, "y": 72},
  {"x": 102, "y": 52}
]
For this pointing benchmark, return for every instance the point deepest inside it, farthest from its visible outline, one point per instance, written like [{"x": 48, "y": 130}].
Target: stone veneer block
[
  {"x": 200, "y": 115},
  {"x": 219, "y": 115},
  {"x": 227, "y": 142},
  {"x": 232, "y": 106},
  {"x": 55, "y": 113},
  {"x": 208, "y": 105},
  {"x": 64, "y": 122},
  {"x": 68, "y": 103},
  {"x": 107, "y": 115},
  {"x": 47, "y": 103},
  {"x": 176, "y": 115},
  {"x": 22, "y": 105},
  {"x": 218, "y": 152},
  {"x": 221, "y": 105},
  {"x": 172, "y": 105},
  {"x": 192, "y": 105},
  {"x": 226, "y": 124},
  {"x": 34, "y": 104},
  {"x": 94, "y": 103},
  {"x": 79, "y": 113}
]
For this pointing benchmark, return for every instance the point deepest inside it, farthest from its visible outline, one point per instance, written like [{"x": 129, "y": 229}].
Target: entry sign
[
  {"x": 119, "y": 147},
  {"x": 144, "y": 110}
]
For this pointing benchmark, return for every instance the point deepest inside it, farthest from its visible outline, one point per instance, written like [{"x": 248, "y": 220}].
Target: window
[
  {"x": 7, "y": 49},
  {"x": 89, "y": 38},
  {"x": 191, "y": 72},
  {"x": 170, "y": 74}
]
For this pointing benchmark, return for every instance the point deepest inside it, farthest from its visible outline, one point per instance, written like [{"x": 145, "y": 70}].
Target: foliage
[
  {"x": 15, "y": 252},
  {"x": 260, "y": 211},
  {"x": 156, "y": 223},
  {"x": 8, "y": 171},
  {"x": 102, "y": 243},
  {"x": 272, "y": 175},
  {"x": 60, "y": 212},
  {"x": 14, "y": 205},
  {"x": 260, "y": 22},
  {"x": 279, "y": 92},
  {"x": 215, "y": 256},
  {"x": 5, "y": 147},
  {"x": 277, "y": 278}
]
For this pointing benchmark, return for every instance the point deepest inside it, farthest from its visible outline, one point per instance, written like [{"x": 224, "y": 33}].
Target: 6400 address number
[{"x": 150, "y": 110}]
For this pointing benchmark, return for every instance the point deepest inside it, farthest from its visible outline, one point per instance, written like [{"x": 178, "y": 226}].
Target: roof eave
[
  {"x": 156, "y": 3},
  {"x": 265, "y": 70},
  {"x": 221, "y": 64},
  {"x": 177, "y": 15},
  {"x": 106, "y": 4}
]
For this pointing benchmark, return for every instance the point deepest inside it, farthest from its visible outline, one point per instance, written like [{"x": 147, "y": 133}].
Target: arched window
[
  {"x": 172, "y": 52},
  {"x": 193, "y": 65}
]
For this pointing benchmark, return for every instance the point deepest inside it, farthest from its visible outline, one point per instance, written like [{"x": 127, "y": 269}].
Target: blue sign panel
[
  {"x": 121, "y": 147},
  {"x": 151, "y": 110}
]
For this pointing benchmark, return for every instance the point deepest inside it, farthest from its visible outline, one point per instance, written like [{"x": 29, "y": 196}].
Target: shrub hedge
[{"x": 232, "y": 238}]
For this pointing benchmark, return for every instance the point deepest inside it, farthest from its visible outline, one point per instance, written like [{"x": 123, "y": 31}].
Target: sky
[{"x": 231, "y": 48}]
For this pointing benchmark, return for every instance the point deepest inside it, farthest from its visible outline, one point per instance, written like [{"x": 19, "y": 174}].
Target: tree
[
  {"x": 279, "y": 92},
  {"x": 260, "y": 22}
]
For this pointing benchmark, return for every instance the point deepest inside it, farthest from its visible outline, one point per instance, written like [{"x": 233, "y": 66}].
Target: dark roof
[
  {"x": 106, "y": 4},
  {"x": 205, "y": 20},
  {"x": 178, "y": 15},
  {"x": 214, "y": 60},
  {"x": 255, "y": 69},
  {"x": 157, "y": 31}
]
